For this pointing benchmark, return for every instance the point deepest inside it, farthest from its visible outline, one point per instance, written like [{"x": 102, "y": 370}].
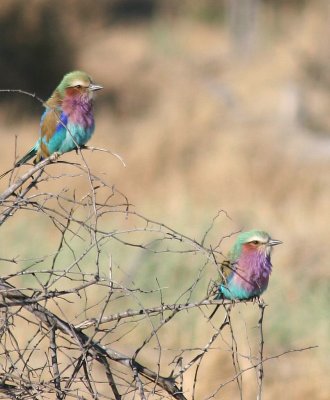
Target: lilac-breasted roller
[
  {"x": 68, "y": 121},
  {"x": 245, "y": 273}
]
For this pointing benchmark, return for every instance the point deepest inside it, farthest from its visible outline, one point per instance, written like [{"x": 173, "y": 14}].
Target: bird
[
  {"x": 246, "y": 270},
  {"x": 67, "y": 122}
]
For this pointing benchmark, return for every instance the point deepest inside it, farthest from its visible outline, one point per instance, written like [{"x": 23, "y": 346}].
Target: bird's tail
[
  {"x": 30, "y": 154},
  {"x": 219, "y": 296},
  {"x": 215, "y": 310}
]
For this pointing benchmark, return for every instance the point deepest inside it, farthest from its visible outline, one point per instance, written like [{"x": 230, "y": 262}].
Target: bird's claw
[
  {"x": 261, "y": 301},
  {"x": 54, "y": 157}
]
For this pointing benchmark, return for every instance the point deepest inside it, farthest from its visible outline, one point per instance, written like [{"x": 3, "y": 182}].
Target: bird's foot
[
  {"x": 82, "y": 147},
  {"x": 261, "y": 301},
  {"x": 55, "y": 156}
]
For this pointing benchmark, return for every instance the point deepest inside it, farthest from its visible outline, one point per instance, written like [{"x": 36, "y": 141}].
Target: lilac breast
[
  {"x": 253, "y": 271},
  {"x": 79, "y": 111}
]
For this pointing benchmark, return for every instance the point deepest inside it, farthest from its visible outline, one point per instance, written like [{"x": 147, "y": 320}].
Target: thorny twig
[
  {"x": 260, "y": 370},
  {"x": 82, "y": 300}
]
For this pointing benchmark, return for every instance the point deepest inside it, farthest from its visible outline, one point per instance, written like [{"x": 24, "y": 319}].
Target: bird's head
[
  {"x": 77, "y": 84},
  {"x": 254, "y": 241}
]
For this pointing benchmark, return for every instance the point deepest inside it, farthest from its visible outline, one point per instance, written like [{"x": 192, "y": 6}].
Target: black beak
[
  {"x": 274, "y": 242},
  {"x": 93, "y": 87}
]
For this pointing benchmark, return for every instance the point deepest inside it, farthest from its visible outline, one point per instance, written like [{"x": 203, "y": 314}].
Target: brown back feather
[
  {"x": 52, "y": 118},
  {"x": 49, "y": 124},
  {"x": 225, "y": 270}
]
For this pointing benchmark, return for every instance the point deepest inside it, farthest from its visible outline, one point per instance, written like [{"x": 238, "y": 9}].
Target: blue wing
[{"x": 52, "y": 131}]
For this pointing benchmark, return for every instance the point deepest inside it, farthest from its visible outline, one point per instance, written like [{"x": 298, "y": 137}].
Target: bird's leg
[
  {"x": 261, "y": 301},
  {"x": 54, "y": 157}
]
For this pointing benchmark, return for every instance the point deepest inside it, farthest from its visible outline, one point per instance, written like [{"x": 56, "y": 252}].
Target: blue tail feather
[{"x": 30, "y": 154}]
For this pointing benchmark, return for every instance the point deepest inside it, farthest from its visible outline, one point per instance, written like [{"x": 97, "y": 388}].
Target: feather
[{"x": 68, "y": 120}]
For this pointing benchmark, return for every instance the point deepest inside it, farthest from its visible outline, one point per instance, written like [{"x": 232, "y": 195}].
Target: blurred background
[{"x": 214, "y": 105}]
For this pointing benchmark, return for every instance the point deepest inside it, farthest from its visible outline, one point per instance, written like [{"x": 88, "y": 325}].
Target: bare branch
[
  {"x": 92, "y": 347},
  {"x": 89, "y": 312}
]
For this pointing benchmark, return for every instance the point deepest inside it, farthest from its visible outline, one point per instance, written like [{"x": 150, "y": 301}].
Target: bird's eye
[
  {"x": 255, "y": 242},
  {"x": 78, "y": 86}
]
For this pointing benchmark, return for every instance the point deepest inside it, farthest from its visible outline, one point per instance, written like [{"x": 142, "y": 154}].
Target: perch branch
[{"x": 9, "y": 293}]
